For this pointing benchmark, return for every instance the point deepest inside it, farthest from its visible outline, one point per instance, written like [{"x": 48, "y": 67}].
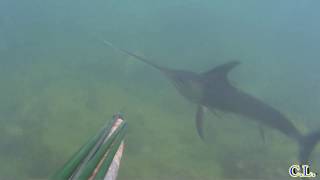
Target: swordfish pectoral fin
[
  {"x": 199, "y": 120},
  {"x": 262, "y": 134}
]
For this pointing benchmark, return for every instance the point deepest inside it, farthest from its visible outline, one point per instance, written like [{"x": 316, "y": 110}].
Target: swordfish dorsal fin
[{"x": 220, "y": 71}]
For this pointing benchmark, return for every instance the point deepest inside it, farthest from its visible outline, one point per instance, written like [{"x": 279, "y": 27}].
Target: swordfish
[{"x": 212, "y": 90}]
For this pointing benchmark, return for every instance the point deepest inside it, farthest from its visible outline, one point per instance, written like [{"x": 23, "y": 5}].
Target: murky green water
[{"x": 59, "y": 84}]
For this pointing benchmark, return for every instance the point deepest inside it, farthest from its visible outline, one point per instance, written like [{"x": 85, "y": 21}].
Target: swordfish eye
[{"x": 179, "y": 81}]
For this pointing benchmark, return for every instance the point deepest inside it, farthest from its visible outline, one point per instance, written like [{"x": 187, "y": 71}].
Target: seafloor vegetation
[
  {"x": 49, "y": 109},
  {"x": 59, "y": 84}
]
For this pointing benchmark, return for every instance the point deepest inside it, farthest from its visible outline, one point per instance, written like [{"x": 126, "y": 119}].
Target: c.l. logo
[{"x": 302, "y": 171}]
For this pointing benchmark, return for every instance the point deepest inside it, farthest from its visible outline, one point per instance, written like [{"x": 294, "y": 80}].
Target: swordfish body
[{"x": 213, "y": 90}]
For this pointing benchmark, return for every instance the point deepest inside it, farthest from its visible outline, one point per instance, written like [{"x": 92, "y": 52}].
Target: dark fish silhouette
[{"x": 213, "y": 90}]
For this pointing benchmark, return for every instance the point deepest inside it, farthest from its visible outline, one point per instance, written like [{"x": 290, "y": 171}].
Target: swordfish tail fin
[{"x": 307, "y": 144}]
